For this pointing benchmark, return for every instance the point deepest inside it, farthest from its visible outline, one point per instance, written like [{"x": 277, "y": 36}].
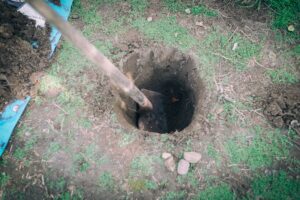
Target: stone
[
  {"x": 170, "y": 164},
  {"x": 291, "y": 28},
  {"x": 200, "y": 24},
  {"x": 272, "y": 58},
  {"x": 149, "y": 19},
  {"x": 188, "y": 11},
  {"x": 165, "y": 155},
  {"x": 192, "y": 157},
  {"x": 183, "y": 167}
]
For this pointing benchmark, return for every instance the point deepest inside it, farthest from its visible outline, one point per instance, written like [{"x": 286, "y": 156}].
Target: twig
[{"x": 60, "y": 108}]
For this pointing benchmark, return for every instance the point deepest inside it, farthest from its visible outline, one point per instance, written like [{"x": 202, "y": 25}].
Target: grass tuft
[
  {"x": 203, "y": 10},
  {"x": 166, "y": 30},
  {"x": 106, "y": 181},
  {"x": 274, "y": 187},
  {"x": 281, "y": 76},
  {"x": 221, "y": 191},
  {"x": 263, "y": 150}
]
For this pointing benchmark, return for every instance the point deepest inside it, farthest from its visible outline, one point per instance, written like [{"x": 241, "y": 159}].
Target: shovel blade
[{"x": 154, "y": 120}]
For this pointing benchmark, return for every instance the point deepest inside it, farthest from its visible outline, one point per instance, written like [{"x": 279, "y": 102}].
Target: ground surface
[{"x": 70, "y": 143}]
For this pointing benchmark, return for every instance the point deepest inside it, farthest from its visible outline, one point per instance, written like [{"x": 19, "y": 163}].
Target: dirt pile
[
  {"x": 24, "y": 49},
  {"x": 282, "y": 107}
]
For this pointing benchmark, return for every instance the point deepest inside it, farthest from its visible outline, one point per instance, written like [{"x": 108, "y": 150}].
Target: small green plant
[
  {"x": 141, "y": 165},
  {"x": 151, "y": 185},
  {"x": 178, "y": 195},
  {"x": 189, "y": 179},
  {"x": 229, "y": 112},
  {"x": 139, "y": 5},
  {"x": 282, "y": 76},
  {"x": 106, "y": 181},
  {"x": 19, "y": 154},
  {"x": 203, "y": 10},
  {"x": 219, "y": 192},
  {"x": 81, "y": 164},
  {"x": 4, "y": 179},
  {"x": 175, "y": 5},
  {"x": 274, "y": 187}
]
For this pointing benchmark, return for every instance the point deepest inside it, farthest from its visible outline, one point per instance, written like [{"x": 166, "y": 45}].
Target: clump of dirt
[
  {"x": 173, "y": 75},
  {"x": 282, "y": 107},
  {"x": 24, "y": 49}
]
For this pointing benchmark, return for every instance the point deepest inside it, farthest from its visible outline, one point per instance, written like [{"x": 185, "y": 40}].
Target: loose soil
[
  {"x": 18, "y": 58},
  {"x": 282, "y": 107}
]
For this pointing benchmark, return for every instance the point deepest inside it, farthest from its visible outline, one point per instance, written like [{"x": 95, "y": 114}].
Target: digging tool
[{"x": 150, "y": 122}]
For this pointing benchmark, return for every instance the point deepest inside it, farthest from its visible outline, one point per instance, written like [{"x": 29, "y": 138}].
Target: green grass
[
  {"x": 80, "y": 163},
  {"x": 265, "y": 148},
  {"x": 141, "y": 165},
  {"x": 166, "y": 30},
  {"x": 139, "y": 5},
  {"x": 54, "y": 147},
  {"x": 58, "y": 185},
  {"x": 190, "y": 179},
  {"x": 285, "y": 12},
  {"x": 175, "y": 5},
  {"x": 4, "y": 179},
  {"x": 214, "y": 154},
  {"x": 281, "y": 76},
  {"x": 106, "y": 181},
  {"x": 21, "y": 153},
  {"x": 203, "y": 10},
  {"x": 273, "y": 187},
  {"x": 221, "y": 45},
  {"x": 126, "y": 138},
  {"x": 219, "y": 192},
  {"x": 172, "y": 195}
]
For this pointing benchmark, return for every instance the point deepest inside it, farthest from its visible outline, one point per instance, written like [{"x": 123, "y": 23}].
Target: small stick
[{"x": 92, "y": 53}]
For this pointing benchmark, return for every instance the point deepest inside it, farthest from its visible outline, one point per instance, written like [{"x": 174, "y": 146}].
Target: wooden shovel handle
[{"x": 92, "y": 53}]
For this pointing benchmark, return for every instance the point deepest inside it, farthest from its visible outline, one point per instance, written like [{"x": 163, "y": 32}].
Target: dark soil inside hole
[
  {"x": 18, "y": 59},
  {"x": 282, "y": 107},
  {"x": 173, "y": 75}
]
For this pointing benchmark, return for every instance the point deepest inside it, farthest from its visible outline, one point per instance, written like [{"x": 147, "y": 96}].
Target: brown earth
[
  {"x": 282, "y": 107},
  {"x": 18, "y": 58}
]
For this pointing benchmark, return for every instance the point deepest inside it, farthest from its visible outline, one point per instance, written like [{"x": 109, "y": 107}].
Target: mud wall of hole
[{"x": 170, "y": 73}]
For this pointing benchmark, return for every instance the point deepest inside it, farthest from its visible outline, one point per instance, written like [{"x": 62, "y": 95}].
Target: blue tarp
[
  {"x": 9, "y": 119},
  {"x": 64, "y": 11},
  {"x": 13, "y": 112}
]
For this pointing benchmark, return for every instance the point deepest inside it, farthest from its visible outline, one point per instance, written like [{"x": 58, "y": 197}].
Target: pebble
[
  {"x": 188, "y": 11},
  {"x": 192, "y": 157},
  {"x": 183, "y": 167},
  {"x": 170, "y": 164},
  {"x": 165, "y": 155},
  {"x": 149, "y": 19}
]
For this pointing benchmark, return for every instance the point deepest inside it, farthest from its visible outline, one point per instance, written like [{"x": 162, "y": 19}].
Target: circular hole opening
[{"x": 173, "y": 77}]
